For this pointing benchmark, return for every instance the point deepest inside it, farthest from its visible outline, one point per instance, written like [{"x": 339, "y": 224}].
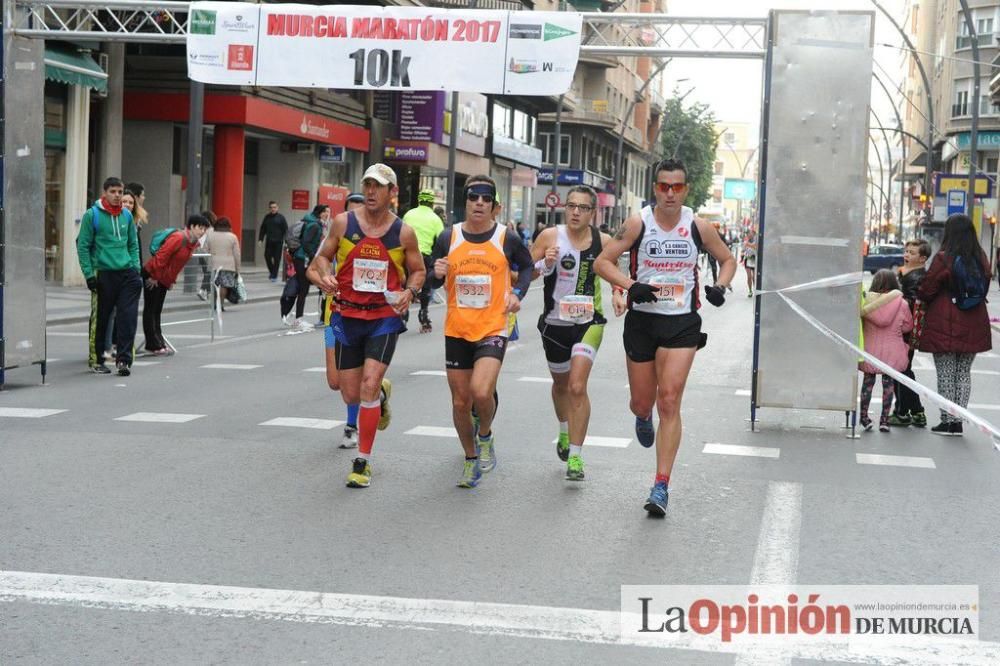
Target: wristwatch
[{"x": 414, "y": 291}]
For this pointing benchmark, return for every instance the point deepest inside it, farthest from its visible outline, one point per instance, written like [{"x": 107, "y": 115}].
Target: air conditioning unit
[{"x": 306, "y": 148}]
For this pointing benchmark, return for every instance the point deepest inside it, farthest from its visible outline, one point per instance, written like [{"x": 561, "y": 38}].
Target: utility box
[{"x": 22, "y": 220}]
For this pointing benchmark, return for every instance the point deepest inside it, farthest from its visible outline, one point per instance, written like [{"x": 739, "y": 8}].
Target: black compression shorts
[
  {"x": 645, "y": 333},
  {"x": 461, "y": 354}
]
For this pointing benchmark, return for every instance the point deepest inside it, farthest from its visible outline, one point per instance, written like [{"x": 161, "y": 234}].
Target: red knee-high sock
[{"x": 368, "y": 417}]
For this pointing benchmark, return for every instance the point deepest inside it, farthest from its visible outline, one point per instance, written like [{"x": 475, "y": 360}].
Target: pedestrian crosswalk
[{"x": 159, "y": 417}]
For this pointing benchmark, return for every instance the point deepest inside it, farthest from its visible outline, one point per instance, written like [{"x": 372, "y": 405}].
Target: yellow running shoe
[
  {"x": 383, "y": 421},
  {"x": 361, "y": 474}
]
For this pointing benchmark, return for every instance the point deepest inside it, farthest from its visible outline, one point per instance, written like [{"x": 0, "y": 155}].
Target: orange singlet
[{"x": 478, "y": 284}]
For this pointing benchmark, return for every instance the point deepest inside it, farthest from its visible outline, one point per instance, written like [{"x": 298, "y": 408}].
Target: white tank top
[
  {"x": 668, "y": 261},
  {"x": 572, "y": 292}
]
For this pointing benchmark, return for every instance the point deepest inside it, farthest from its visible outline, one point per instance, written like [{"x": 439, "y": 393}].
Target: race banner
[{"x": 352, "y": 47}]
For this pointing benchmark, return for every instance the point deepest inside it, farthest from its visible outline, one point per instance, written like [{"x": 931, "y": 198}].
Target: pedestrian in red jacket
[
  {"x": 952, "y": 333},
  {"x": 160, "y": 273}
]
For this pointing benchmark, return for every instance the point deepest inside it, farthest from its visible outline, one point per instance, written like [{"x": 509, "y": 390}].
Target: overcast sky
[{"x": 733, "y": 87}]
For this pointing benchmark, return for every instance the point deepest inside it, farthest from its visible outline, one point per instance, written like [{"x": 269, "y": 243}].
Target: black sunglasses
[{"x": 473, "y": 196}]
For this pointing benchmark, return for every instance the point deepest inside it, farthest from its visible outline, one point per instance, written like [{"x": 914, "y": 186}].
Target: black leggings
[
  {"x": 888, "y": 387},
  {"x": 301, "y": 291}
]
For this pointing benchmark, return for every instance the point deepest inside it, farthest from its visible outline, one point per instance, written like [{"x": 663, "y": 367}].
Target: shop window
[
  {"x": 719, "y": 168},
  {"x": 501, "y": 119},
  {"x": 548, "y": 141}
]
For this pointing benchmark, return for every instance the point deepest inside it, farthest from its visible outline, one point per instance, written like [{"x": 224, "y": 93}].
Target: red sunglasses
[{"x": 676, "y": 188}]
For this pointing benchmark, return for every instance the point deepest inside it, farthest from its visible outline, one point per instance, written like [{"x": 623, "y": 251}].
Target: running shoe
[
  {"x": 918, "y": 419},
  {"x": 123, "y": 369},
  {"x": 866, "y": 424},
  {"x": 644, "y": 431},
  {"x": 288, "y": 320},
  {"x": 562, "y": 446},
  {"x": 574, "y": 469},
  {"x": 656, "y": 505},
  {"x": 956, "y": 429},
  {"x": 100, "y": 369},
  {"x": 302, "y": 325},
  {"x": 361, "y": 474},
  {"x": 471, "y": 475},
  {"x": 383, "y": 398},
  {"x": 942, "y": 429},
  {"x": 487, "y": 453},
  {"x": 350, "y": 440}
]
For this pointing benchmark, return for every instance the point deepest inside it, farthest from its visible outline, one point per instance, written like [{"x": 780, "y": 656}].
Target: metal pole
[
  {"x": 621, "y": 138},
  {"x": 881, "y": 177},
  {"x": 929, "y": 160},
  {"x": 556, "y": 149},
  {"x": 888, "y": 154},
  {"x": 196, "y": 115},
  {"x": 970, "y": 199},
  {"x": 452, "y": 148},
  {"x": 902, "y": 156}
]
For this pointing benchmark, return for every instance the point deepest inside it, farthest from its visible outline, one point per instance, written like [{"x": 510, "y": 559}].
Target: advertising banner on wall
[{"x": 383, "y": 48}]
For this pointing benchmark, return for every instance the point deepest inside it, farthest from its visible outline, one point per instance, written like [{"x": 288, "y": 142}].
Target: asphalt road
[{"x": 221, "y": 494}]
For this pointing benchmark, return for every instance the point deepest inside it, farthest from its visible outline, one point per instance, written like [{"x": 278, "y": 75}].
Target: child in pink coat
[{"x": 885, "y": 317}]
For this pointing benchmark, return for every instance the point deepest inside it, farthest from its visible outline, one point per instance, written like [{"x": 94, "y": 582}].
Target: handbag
[{"x": 241, "y": 290}]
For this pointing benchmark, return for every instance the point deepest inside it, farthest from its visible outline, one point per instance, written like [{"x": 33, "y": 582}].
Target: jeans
[
  {"x": 151, "y": 312},
  {"x": 117, "y": 291}
]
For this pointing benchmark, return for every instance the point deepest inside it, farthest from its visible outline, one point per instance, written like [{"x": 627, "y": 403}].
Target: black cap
[{"x": 355, "y": 197}]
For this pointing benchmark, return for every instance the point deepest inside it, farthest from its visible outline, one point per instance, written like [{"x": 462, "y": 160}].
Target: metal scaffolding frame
[{"x": 612, "y": 34}]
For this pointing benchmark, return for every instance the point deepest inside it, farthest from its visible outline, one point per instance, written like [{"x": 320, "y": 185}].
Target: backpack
[
  {"x": 95, "y": 213},
  {"x": 293, "y": 237},
  {"x": 158, "y": 239},
  {"x": 969, "y": 285}
]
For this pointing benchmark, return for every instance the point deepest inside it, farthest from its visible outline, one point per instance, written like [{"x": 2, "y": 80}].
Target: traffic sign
[
  {"x": 956, "y": 201},
  {"x": 552, "y": 199}
]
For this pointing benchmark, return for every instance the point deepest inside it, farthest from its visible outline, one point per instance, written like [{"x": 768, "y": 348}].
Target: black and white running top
[
  {"x": 667, "y": 261},
  {"x": 573, "y": 290}
]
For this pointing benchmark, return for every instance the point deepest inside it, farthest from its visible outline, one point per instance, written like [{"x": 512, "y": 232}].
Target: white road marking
[
  {"x": 159, "y": 417},
  {"x": 296, "y": 422},
  {"x": 895, "y": 461},
  {"x": 535, "y": 380},
  {"x": 610, "y": 442},
  {"x": 988, "y": 355},
  {"x": 739, "y": 450},
  {"x": 318, "y": 368},
  {"x": 583, "y": 625},
  {"x": 230, "y": 366},
  {"x": 143, "y": 364},
  {"x": 432, "y": 431},
  {"x": 186, "y": 321},
  {"x": 743, "y": 392},
  {"x": 68, "y": 334},
  {"x": 429, "y": 373},
  {"x": 776, "y": 561},
  {"x": 28, "y": 412}
]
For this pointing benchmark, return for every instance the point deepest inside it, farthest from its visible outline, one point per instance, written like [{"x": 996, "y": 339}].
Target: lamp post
[
  {"x": 929, "y": 161},
  {"x": 970, "y": 199},
  {"x": 621, "y": 137},
  {"x": 902, "y": 146}
]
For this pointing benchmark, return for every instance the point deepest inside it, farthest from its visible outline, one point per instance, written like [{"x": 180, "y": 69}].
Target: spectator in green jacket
[{"x": 107, "y": 247}]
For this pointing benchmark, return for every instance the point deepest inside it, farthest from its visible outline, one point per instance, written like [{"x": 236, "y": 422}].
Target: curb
[{"x": 192, "y": 307}]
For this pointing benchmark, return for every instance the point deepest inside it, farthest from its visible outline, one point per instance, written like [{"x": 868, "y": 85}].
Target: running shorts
[
  {"x": 359, "y": 339},
  {"x": 646, "y": 332},
  {"x": 562, "y": 343},
  {"x": 461, "y": 354}
]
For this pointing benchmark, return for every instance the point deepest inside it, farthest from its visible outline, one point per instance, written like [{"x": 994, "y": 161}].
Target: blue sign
[
  {"x": 983, "y": 140},
  {"x": 333, "y": 154},
  {"x": 566, "y": 176},
  {"x": 956, "y": 201},
  {"x": 739, "y": 189}
]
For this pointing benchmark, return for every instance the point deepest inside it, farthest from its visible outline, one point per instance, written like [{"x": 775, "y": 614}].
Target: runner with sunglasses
[
  {"x": 473, "y": 261},
  {"x": 572, "y": 322},
  {"x": 663, "y": 327},
  {"x": 374, "y": 252}
]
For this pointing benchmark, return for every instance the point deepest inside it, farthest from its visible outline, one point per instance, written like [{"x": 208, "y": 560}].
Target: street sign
[
  {"x": 739, "y": 189},
  {"x": 552, "y": 199},
  {"x": 956, "y": 201}
]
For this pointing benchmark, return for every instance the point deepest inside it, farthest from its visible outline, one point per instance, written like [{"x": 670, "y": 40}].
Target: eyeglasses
[
  {"x": 583, "y": 208},
  {"x": 676, "y": 188},
  {"x": 472, "y": 196}
]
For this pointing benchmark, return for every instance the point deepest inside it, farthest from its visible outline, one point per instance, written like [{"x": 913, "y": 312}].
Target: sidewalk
[{"x": 71, "y": 305}]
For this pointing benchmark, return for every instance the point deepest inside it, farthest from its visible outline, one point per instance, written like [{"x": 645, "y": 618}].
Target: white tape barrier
[
  {"x": 940, "y": 401},
  {"x": 842, "y": 280}
]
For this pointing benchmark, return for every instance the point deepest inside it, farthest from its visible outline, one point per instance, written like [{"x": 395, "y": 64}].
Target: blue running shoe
[
  {"x": 644, "y": 431},
  {"x": 656, "y": 505},
  {"x": 486, "y": 450},
  {"x": 470, "y": 475}
]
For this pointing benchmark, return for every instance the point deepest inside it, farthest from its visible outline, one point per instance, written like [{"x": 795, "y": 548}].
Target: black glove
[
  {"x": 715, "y": 295},
  {"x": 92, "y": 283},
  {"x": 641, "y": 293}
]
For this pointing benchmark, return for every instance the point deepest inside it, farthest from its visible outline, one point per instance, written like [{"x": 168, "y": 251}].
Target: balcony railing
[{"x": 589, "y": 111}]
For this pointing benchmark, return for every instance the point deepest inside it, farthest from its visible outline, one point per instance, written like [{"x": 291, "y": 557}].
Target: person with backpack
[
  {"x": 169, "y": 251},
  {"x": 108, "y": 250},
  {"x": 956, "y": 323},
  {"x": 303, "y": 241}
]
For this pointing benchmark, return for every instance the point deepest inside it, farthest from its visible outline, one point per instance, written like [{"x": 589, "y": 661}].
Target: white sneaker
[
  {"x": 350, "y": 440},
  {"x": 303, "y": 325},
  {"x": 288, "y": 320}
]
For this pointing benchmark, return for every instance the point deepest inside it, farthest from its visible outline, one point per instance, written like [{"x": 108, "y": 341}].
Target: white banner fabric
[{"x": 383, "y": 48}]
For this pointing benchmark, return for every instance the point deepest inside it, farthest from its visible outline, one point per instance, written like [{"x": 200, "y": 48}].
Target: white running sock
[
  {"x": 576, "y": 449},
  {"x": 564, "y": 427}
]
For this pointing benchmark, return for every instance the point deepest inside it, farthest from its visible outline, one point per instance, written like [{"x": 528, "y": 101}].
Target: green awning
[{"x": 74, "y": 68}]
